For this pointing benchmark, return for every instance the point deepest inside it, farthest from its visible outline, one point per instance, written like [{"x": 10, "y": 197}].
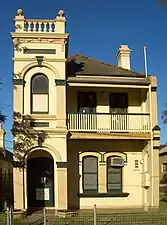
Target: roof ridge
[{"x": 104, "y": 63}]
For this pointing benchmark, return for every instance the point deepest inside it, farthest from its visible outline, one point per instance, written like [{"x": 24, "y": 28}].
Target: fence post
[
  {"x": 11, "y": 215},
  {"x": 8, "y": 217},
  {"x": 94, "y": 215},
  {"x": 44, "y": 216}
]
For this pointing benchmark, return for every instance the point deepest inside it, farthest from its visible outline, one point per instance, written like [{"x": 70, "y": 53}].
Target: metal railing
[
  {"x": 109, "y": 217},
  {"x": 100, "y": 122},
  {"x": 95, "y": 216}
]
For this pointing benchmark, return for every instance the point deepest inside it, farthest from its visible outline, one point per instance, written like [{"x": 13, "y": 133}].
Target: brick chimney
[{"x": 123, "y": 57}]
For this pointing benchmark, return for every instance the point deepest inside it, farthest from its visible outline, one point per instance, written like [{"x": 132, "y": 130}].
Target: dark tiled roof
[
  {"x": 163, "y": 149},
  {"x": 82, "y": 65},
  {"x": 162, "y": 146}
]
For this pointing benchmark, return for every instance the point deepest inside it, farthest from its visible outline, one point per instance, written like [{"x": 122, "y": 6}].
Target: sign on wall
[{"x": 42, "y": 194}]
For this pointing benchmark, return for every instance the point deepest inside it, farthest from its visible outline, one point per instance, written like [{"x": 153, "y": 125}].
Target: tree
[
  {"x": 2, "y": 118},
  {"x": 164, "y": 115},
  {"x": 161, "y": 2},
  {"x": 25, "y": 136}
]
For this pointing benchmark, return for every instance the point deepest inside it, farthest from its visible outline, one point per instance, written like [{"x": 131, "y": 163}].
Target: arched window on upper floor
[{"x": 39, "y": 94}]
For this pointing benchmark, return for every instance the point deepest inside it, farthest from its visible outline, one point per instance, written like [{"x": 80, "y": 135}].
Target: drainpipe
[{"x": 151, "y": 145}]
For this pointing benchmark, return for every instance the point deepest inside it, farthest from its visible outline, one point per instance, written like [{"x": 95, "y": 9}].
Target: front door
[
  {"x": 86, "y": 107},
  {"x": 118, "y": 110},
  {"x": 40, "y": 182}
]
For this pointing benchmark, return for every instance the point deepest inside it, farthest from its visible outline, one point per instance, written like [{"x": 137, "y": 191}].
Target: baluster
[
  {"x": 86, "y": 119},
  {"x": 74, "y": 116},
  {"x": 74, "y": 121},
  {"x": 127, "y": 122},
  {"x": 68, "y": 127},
  {"x": 50, "y": 27},
  {"x": 25, "y": 26},
  {"x": 139, "y": 122},
  {"x": 88, "y": 123},
  {"x": 29, "y": 26},
  {"x": 71, "y": 121},
  {"x": 78, "y": 122},
  {"x": 82, "y": 119},
  {"x": 39, "y": 26},
  {"x": 118, "y": 122},
  {"x": 95, "y": 119},
  {"x": 91, "y": 122},
  {"x": 44, "y": 27},
  {"x": 123, "y": 122},
  {"x": 34, "y": 26},
  {"x": 68, "y": 121},
  {"x": 54, "y": 27},
  {"x": 78, "y": 119}
]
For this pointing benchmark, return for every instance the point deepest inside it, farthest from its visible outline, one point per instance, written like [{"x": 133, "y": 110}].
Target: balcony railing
[
  {"x": 109, "y": 122},
  {"x": 40, "y": 26}
]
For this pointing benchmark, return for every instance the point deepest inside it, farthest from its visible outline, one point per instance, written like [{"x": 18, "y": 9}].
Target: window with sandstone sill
[
  {"x": 39, "y": 94},
  {"x": 114, "y": 175},
  {"x": 90, "y": 174}
]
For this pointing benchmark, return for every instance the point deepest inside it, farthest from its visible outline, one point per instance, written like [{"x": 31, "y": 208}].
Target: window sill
[{"x": 102, "y": 195}]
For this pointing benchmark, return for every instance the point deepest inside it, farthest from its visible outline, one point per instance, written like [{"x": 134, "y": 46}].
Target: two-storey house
[{"x": 102, "y": 144}]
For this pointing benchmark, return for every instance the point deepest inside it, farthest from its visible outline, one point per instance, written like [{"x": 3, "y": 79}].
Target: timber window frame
[
  {"x": 90, "y": 174},
  {"x": 114, "y": 181},
  {"x": 39, "y": 94}
]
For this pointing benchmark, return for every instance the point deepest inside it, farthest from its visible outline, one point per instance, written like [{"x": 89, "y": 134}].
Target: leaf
[
  {"x": 2, "y": 118},
  {"x": 25, "y": 136}
]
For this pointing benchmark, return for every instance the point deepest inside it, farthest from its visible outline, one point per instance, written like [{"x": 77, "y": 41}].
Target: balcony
[{"x": 99, "y": 122}]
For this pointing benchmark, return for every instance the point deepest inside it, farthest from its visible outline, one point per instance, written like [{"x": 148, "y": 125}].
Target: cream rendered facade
[{"x": 41, "y": 47}]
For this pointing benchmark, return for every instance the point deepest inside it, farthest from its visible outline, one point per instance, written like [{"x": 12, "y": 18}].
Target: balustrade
[{"x": 109, "y": 122}]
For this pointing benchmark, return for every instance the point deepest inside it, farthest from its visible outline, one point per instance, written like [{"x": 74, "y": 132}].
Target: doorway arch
[{"x": 40, "y": 179}]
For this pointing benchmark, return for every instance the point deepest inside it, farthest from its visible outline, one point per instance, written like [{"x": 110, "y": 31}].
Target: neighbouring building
[
  {"x": 6, "y": 173},
  {"x": 102, "y": 144},
  {"x": 163, "y": 168}
]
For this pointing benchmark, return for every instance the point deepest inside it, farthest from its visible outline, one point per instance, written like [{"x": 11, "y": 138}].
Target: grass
[{"x": 152, "y": 217}]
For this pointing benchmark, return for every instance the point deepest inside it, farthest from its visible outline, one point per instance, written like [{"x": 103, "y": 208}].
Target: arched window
[
  {"x": 114, "y": 173},
  {"x": 39, "y": 94},
  {"x": 90, "y": 174}
]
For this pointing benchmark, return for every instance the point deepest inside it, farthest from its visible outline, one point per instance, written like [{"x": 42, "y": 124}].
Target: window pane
[
  {"x": 40, "y": 103},
  {"x": 39, "y": 84},
  {"x": 90, "y": 181},
  {"x": 119, "y": 100},
  {"x": 87, "y": 102},
  {"x": 114, "y": 178},
  {"x": 114, "y": 187},
  {"x": 90, "y": 165},
  {"x": 114, "y": 169}
]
